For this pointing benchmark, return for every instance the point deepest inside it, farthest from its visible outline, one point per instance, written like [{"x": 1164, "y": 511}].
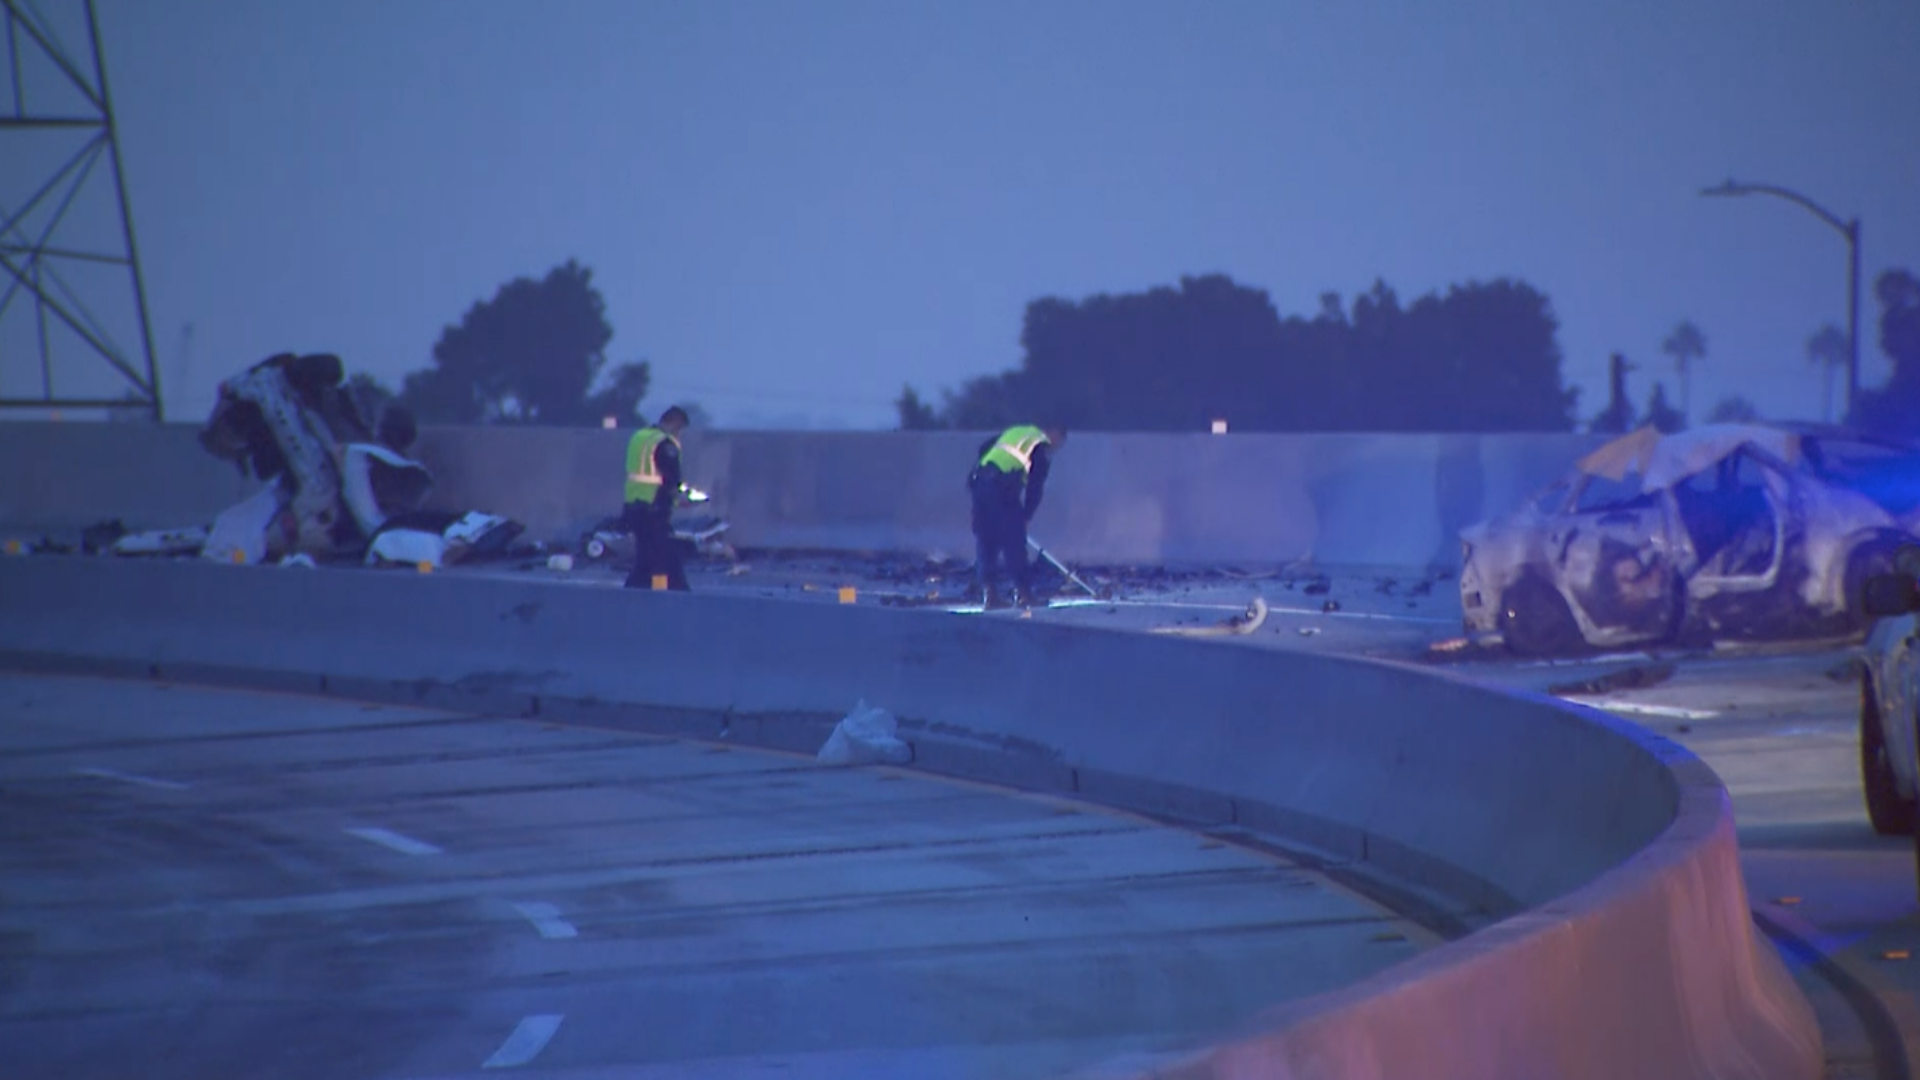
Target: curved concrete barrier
[{"x": 1626, "y": 948}]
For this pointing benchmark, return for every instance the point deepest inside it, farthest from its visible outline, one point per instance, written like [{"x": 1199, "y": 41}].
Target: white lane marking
[
  {"x": 546, "y": 919},
  {"x": 1188, "y": 605},
  {"x": 1637, "y": 708},
  {"x": 405, "y": 845},
  {"x": 1374, "y": 616},
  {"x": 130, "y": 778},
  {"x": 1608, "y": 658},
  {"x": 528, "y": 1039}
]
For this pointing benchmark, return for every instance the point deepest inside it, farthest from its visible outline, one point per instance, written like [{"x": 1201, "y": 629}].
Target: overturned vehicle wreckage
[
  {"x": 1728, "y": 532},
  {"x": 333, "y": 487}
]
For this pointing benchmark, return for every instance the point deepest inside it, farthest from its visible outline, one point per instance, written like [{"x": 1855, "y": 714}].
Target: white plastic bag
[{"x": 865, "y": 736}]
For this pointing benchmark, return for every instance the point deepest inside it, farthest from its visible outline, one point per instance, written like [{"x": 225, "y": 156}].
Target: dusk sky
[{"x": 794, "y": 208}]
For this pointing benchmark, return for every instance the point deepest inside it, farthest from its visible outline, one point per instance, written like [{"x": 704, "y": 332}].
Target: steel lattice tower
[{"x": 70, "y": 285}]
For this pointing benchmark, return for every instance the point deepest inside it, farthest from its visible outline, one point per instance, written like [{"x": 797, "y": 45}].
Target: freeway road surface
[{"x": 214, "y": 883}]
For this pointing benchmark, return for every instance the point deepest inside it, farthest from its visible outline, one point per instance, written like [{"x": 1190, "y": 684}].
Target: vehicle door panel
[
  {"x": 1893, "y": 659},
  {"x": 1611, "y": 552},
  {"x": 1737, "y": 522}
]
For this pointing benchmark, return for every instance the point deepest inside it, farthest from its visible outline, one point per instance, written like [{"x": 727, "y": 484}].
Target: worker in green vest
[
  {"x": 653, "y": 486},
  {"x": 1007, "y": 484}
]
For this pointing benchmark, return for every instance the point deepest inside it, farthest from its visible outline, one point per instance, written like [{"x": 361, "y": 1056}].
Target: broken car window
[
  {"x": 1551, "y": 501},
  {"x": 1727, "y": 513},
  {"x": 1602, "y": 493}
]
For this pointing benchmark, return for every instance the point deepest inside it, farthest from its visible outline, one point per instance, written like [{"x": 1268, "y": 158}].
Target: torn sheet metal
[
  {"x": 376, "y": 483},
  {"x": 246, "y": 532},
  {"x": 273, "y": 420},
  {"x": 407, "y": 547},
  {"x": 1664, "y": 460},
  {"x": 163, "y": 542},
  {"x": 338, "y": 492},
  {"x": 1240, "y": 625},
  {"x": 442, "y": 539}
]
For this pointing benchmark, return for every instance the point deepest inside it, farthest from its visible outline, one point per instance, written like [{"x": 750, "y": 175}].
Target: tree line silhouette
[{"x": 1478, "y": 357}]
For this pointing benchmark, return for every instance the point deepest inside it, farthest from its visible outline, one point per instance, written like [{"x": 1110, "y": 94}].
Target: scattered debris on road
[
  {"x": 703, "y": 535},
  {"x": 1637, "y": 677},
  {"x": 1239, "y": 625},
  {"x": 334, "y": 488},
  {"x": 865, "y": 736}
]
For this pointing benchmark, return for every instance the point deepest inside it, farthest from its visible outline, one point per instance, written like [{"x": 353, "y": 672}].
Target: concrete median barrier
[
  {"x": 1623, "y": 946},
  {"x": 1344, "y": 500},
  {"x": 65, "y": 476}
]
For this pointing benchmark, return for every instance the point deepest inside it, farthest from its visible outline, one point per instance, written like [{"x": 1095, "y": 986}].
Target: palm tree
[
  {"x": 1686, "y": 344},
  {"x": 1827, "y": 349}
]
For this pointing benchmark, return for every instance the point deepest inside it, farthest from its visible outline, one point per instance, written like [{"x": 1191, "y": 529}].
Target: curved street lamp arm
[{"x": 1735, "y": 188}]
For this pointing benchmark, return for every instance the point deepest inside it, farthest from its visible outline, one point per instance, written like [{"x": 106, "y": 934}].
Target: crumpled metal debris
[
  {"x": 609, "y": 541},
  {"x": 426, "y": 539},
  {"x": 334, "y": 486},
  {"x": 163, "y": 542},
  {"x": 1248, "y": 621}
]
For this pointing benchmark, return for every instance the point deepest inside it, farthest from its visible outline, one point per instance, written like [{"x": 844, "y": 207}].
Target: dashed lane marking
[
  {"x": 546, "y": 919},
  {"x": 1642, "y": 708},
  {"x": 529, "y": 1037},
  {"x": 130, "y": 778},
  {"x": 387, "y": 838}
]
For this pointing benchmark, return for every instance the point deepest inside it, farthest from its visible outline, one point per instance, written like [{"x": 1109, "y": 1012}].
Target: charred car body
[
  {"x": 333, "y": 487},
  {"x": 1724, "y": 532}
]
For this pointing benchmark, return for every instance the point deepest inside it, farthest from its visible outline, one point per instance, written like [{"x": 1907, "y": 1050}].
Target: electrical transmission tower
[{"x": 73, "y": 310}]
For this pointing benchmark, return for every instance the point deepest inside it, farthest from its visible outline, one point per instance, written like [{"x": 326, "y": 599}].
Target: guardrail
[{"x": 1626, "y": 950}]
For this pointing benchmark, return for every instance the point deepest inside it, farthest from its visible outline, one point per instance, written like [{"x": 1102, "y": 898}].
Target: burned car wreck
[
  {"x": 333, "y": 487},
  {"x": 1727, "y": 532},
  {"x": 336, "y": 488}
]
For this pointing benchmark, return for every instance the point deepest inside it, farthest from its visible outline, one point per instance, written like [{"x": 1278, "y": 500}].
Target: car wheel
[
  {"x": 1535, "y": 620},
  {"x": 1891, "y": 815},
  {"x": 1870, "y": 559}
]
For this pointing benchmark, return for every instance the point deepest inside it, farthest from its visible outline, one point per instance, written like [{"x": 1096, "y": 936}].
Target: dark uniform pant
[
  {"x": 655, "y": 551},
  {"x": 999, "y": 530}
]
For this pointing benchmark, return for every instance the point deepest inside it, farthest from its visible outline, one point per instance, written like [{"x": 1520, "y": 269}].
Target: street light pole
[
  {"x": 1853, "y": 312},
  {"x": 1848, "y": 229}
]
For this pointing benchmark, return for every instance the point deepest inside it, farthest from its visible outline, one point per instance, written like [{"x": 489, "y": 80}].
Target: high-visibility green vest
[
  {"x": 1013, "y": 453},
  {"x": 643, "y": 476}
]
